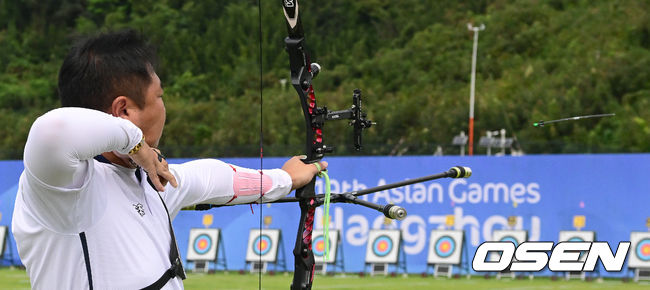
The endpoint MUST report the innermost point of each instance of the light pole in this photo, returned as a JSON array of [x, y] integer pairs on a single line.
[[476, 29]]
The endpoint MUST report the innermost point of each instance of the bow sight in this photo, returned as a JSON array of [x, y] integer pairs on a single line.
[[302, 73], [355, 115]]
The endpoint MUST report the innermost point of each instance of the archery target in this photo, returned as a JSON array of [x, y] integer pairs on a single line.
[[318, 245], [203, 244], [383, 246], [263, 246], [445, 247], [640, 250], [578, 236], [643, 250], [514, 236], [3, 239]]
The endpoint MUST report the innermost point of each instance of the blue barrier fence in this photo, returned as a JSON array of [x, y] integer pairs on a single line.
[[545, 191]]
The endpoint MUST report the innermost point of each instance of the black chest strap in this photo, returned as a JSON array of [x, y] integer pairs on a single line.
[[176, 270]]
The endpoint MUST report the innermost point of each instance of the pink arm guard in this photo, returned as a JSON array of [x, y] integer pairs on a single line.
[[245, 184]]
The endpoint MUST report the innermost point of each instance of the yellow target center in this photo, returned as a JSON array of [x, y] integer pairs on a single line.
[[645, 250]]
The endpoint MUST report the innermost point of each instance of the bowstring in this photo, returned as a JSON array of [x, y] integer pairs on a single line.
[[259, 10]]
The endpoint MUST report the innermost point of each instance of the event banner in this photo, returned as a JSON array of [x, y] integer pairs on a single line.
[[544, 192]]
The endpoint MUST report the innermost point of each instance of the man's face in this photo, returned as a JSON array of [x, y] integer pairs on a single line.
[[151, 118]]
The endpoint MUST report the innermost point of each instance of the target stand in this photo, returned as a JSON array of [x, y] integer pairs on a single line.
[[5, 246], [265, 247], [641, 274], [506, 273], [578, 236], [3, 241], [335, 254], [442, 270], [447, 249], [204, 248], [640, 255], [384, 248]]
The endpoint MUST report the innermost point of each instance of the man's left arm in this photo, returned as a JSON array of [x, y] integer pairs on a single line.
[[216, 182]]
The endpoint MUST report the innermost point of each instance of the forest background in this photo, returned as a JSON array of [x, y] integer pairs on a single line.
[[537, 60]]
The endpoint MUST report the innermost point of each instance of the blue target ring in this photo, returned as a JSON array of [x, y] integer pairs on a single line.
[[202, 244], [382, 246], [318, 246], [262, 245], [510, 239], [643, 250], [578, 239], [445, 246]]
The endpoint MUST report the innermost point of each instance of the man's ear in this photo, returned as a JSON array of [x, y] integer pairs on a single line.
[[121, 107]]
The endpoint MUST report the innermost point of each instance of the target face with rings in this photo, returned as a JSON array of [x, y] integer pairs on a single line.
[[578, 239], [643, 250], [202, 244], [640, 248], [262, 245], [382, 246], [578, 236], [445, 246], [318, 246], [510, 239]]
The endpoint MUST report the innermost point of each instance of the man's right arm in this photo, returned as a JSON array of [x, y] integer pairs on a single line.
[[60, 142]]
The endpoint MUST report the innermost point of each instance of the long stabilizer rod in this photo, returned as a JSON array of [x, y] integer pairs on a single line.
[[389, 210], [454, 172]]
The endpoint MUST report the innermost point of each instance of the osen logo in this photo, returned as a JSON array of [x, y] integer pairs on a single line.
[[565, 256]]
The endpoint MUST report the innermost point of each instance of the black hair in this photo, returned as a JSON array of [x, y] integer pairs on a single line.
[[102, 67]]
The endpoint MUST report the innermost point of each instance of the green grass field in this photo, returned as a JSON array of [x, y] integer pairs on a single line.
[[17, 279]]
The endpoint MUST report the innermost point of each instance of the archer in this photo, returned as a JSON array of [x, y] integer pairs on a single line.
[[96, 198]]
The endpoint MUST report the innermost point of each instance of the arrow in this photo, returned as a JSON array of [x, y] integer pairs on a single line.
[[541, 123]]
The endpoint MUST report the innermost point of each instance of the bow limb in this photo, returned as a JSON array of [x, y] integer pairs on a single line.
[[301, 77]]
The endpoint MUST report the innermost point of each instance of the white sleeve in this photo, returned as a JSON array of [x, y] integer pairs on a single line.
[[61, 141], [216, 182]]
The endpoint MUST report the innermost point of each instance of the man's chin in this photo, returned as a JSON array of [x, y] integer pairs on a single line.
[[120, 155], [119, 158], [153, 143]]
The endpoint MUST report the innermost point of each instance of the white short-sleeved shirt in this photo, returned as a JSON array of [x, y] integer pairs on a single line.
[[80, 222]]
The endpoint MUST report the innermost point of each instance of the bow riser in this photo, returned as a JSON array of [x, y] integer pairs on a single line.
[[301, 77]]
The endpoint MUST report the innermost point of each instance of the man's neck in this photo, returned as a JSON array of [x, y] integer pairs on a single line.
[[113, 158]]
